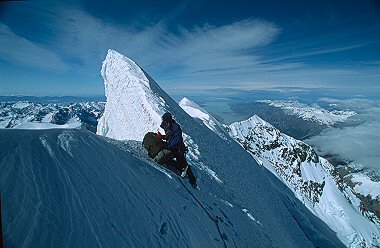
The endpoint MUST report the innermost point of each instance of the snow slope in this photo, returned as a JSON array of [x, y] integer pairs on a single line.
[[71, 188], [134, 106], [365, 186], [311, 178]]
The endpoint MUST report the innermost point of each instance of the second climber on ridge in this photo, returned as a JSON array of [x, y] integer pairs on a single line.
[[174, 141]]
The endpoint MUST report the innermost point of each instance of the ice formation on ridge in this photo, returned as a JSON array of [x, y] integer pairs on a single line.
[[132, 108]]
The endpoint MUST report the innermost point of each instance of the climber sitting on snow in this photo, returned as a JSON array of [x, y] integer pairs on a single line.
[[176, 146]]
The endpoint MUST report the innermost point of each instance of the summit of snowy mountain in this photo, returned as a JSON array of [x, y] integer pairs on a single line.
[[194, 110], [132, 108], [225, 171], [312, 179]]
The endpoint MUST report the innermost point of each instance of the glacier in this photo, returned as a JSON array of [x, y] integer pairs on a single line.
[[72, 188], [310, 176], [315, 114]]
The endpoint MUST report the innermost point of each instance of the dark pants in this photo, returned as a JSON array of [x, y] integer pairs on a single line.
[[179, 155]]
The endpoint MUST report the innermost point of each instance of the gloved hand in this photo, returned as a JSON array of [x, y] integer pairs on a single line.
[[159, 135], [156, 159]]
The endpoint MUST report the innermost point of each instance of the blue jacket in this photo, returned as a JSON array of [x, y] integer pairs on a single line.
[[174, 133]]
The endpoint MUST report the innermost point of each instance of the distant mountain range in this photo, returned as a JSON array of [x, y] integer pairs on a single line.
[[51, 99], [32, 115], [315, 114]]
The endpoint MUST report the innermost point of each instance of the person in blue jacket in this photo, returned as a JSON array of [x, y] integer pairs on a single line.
[[174, 141]]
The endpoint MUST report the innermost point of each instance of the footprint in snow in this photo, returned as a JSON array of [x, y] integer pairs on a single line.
[[164, 228]]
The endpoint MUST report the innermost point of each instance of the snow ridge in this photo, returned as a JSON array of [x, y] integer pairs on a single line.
[[195, 111], [130, 100], [51, 204]]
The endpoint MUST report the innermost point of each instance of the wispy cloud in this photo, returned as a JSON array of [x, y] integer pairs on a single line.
[[20, 51], [203, 49], [319, 51], [206, 56]]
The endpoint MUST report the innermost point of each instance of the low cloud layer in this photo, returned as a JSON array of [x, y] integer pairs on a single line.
[[361, 143]]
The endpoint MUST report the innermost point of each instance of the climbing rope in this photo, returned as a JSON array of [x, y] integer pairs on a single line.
[[216, 219]]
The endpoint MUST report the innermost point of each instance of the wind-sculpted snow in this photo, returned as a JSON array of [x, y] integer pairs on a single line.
[[134, 106], [100, 196], [311, 178]]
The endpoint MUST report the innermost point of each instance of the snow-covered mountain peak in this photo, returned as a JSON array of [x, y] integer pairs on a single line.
[[122, 72], [242, 129], [185, 101], [132, 108], [195, 111], [312, 179], [257, 120]]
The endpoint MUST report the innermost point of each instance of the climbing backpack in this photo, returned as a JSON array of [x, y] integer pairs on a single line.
[[153, 144]]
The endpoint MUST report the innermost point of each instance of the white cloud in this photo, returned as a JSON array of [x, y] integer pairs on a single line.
[[203, 49], [220, 56], [206, 56], [20, 51], [318, 51], [361, 143]]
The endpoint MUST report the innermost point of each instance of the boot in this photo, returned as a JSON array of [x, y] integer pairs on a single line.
[[184, 171], [192, 178]]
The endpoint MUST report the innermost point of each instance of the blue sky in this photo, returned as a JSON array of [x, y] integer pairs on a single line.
[[57, 47]]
